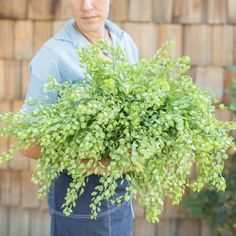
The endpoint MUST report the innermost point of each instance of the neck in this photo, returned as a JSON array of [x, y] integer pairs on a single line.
[[93, 36]]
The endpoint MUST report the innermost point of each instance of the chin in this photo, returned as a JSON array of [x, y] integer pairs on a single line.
[[91, 27]]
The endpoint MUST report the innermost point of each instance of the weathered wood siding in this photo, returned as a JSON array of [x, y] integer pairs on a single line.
[[203, 29]]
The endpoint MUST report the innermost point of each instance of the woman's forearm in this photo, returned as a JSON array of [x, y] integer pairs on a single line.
[[103, 170], [32, 152], [35, 151]]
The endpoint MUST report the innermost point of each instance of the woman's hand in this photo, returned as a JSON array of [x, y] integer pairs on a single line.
[[101, 170], [35, 151], [105, 162], [32, 152]]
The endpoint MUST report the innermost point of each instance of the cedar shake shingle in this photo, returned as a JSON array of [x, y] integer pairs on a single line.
[[231, 11], [14, 9], [29, 191], [162, 11], [23, 40], [7, 39], [119, 11], [198, 44], [142, 227], [42, 32], [12, 80], [19, 222], [189, 11], [10, 188], [222, 45], [167, 32], [216, 11], [212, 77], [41, 10], [140, 10], [145, 36], [166, 227], [188, 227]]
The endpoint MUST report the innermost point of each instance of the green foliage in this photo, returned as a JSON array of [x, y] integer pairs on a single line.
[[232, 90], [151, 108], [218, 209]]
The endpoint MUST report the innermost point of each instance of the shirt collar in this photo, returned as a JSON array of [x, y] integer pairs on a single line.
[[68, 33]]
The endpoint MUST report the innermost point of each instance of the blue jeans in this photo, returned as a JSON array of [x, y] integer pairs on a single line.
[[113, 220]]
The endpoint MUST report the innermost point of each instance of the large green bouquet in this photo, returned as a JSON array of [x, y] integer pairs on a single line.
[[217, 209], [149, 116]]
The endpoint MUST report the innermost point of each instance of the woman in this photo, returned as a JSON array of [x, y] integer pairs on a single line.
[[58, 58]]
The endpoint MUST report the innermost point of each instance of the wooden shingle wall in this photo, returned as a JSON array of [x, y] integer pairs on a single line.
[[203, 29]]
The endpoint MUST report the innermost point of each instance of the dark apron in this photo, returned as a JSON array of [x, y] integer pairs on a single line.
[[113, 220]]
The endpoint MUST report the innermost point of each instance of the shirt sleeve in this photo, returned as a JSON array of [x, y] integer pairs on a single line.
[[42, 65], [131, 49]]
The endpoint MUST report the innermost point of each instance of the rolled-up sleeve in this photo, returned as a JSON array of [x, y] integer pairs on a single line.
[[43, 64]]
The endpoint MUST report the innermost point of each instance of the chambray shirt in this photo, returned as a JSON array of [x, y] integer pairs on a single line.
[[57, 57]]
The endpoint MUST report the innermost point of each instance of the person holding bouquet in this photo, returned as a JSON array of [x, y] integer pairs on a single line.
[[57, 57]]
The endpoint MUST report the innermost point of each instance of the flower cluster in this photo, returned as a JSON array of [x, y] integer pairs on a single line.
[[149, 116]]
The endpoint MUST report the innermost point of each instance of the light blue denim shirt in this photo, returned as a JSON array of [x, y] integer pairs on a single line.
[[58, 58]]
